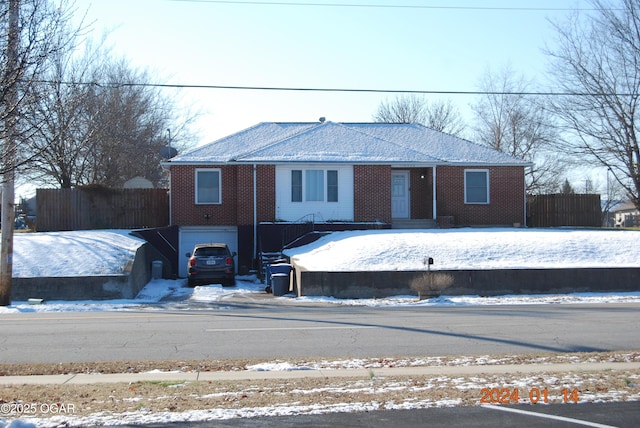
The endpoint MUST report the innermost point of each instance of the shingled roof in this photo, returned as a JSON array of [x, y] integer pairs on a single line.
[[352, 143]]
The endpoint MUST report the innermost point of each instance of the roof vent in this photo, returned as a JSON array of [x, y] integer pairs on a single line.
[[322, 119]]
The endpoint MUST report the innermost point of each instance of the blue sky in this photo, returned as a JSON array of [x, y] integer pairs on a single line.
[[446, 47]]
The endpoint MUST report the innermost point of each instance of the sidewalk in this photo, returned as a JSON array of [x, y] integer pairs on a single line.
[[83, 379]]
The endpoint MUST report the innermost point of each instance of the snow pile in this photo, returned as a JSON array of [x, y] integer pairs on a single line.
[[107, 252], [78, 253], [473, 249]]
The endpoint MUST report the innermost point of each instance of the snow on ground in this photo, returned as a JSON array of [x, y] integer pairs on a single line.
[[461, 249], [373, 393], [174, 294], [77, 253], [83, 253]]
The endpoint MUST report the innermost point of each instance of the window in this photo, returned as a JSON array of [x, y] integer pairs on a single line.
[[208, 189], [332, 186], [296, 186], [476, 186], [315, 185], [311, 184]]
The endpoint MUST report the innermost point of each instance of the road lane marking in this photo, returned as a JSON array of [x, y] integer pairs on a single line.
[[355, 327], [542, 415]]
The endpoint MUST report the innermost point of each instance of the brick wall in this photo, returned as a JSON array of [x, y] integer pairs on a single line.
[[266, 177], [372, 196], [244, 194], [237, 196], [372, 193], [421, 183], [506, 187]]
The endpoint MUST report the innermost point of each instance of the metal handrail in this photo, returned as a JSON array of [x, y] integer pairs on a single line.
[[298, 228]]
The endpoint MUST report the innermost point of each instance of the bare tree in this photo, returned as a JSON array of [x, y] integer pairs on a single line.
[[102, 122], [29, 32], [566, 187], [597, 59], [42, 31], [62, 140], [442, 116], [136, 119], [512, 122]]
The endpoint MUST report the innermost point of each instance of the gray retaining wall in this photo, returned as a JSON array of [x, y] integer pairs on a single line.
[[137, 274], [357, 285]]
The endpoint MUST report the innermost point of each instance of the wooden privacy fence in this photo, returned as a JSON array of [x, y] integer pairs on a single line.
[[101, 208], [564, 210]]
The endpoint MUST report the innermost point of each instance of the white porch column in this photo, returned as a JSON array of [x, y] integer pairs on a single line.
[[435, 199]]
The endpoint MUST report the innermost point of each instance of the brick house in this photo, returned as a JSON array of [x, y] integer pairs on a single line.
[[249, 188]]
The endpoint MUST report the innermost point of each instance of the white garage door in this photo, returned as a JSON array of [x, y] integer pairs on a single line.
[[190, 236]]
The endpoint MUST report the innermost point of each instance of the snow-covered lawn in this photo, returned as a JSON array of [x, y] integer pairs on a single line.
[[76, 253], [461, 249]]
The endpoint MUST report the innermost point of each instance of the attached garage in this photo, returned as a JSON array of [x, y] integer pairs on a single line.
[[190, 236]]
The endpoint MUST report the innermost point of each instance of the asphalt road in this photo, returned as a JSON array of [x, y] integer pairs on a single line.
[[265, 329]]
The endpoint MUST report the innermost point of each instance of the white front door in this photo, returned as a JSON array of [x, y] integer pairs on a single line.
[[400, 194]]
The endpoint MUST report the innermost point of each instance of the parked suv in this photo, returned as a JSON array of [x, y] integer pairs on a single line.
[[211, 264]]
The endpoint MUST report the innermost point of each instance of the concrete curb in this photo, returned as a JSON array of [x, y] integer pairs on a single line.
[[84, 379]]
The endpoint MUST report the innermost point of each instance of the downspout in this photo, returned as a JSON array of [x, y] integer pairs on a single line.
[[168, 169], [524, 185], [255, 214], [435, 199]]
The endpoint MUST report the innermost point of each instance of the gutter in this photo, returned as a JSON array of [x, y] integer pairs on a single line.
[[392, 163]]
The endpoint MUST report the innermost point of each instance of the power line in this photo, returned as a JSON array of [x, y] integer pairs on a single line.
[[353, 90], [385, 6]]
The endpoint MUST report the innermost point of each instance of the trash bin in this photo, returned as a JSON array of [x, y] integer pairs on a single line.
[[280, 284], [156, 269], [277, 268], [273, 268]]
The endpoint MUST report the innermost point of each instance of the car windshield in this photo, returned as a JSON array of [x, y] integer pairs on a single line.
[[210, 252]]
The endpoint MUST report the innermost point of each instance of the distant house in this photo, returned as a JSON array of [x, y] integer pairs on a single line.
[[626, 215], [138, 183], [271, 176]]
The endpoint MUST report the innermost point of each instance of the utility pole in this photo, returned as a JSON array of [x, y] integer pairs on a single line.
[[9, 154]]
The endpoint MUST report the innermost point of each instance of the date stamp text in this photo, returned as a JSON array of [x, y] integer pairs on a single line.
[[532, 395]]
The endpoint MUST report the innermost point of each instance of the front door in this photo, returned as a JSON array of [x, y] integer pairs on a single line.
[[400, 194]]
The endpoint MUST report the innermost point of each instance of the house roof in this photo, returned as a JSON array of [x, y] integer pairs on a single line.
[[354, 143], [628, 206]]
